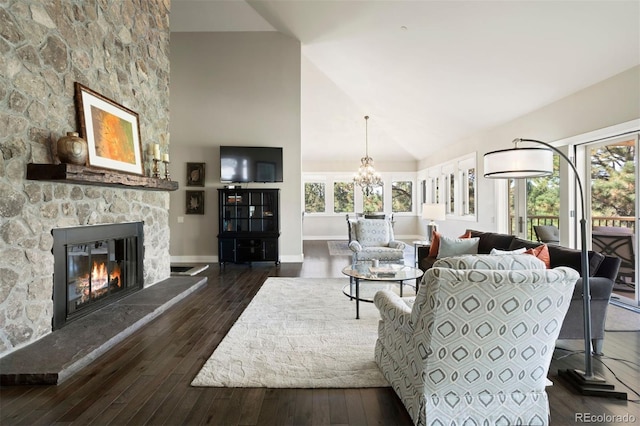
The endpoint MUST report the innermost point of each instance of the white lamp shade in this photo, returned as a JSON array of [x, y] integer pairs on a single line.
[[518, 163], [433, 212]]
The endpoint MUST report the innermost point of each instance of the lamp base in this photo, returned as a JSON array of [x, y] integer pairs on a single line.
[[595, 386], [431, 228]]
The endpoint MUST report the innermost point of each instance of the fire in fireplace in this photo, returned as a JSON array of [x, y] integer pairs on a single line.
[[94, 266]]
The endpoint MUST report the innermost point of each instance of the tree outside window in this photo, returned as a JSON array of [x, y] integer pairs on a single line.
[[468, 182], [613, 180], [314, 197], [401, 201], [343, 197], [543, 195], [451, 189], [374, 203]]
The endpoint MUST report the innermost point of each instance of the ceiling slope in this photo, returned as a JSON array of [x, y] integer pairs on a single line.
[[430, 73]]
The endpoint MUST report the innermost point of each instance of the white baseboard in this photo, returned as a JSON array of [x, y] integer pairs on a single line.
[[293, 258]]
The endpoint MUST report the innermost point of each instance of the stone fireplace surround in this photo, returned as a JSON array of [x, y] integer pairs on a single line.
[[117, 48], [57, 355], [27, 263]]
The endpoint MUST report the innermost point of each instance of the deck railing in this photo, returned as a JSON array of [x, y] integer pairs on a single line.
[[621, 221]]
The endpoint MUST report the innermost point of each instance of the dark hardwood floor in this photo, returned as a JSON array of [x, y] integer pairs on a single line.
[[145, 379]]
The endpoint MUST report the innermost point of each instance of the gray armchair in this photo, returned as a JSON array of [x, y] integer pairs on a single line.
[[476, 344], [373, 239]]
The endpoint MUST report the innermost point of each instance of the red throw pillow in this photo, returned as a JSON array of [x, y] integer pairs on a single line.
[[466, 235], [435, 242], [542, 253]]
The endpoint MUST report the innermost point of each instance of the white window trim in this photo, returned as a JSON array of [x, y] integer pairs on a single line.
[[439, 175], [329, 178]]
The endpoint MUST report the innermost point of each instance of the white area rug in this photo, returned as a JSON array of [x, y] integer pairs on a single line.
[[298, 333]]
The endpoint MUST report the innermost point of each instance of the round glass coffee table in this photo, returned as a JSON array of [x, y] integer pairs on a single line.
[[377, 278]]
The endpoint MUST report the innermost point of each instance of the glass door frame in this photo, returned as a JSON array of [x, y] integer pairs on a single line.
[[518, 205], [583, 154]]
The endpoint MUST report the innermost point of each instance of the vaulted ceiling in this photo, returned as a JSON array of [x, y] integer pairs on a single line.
[[429, 73]]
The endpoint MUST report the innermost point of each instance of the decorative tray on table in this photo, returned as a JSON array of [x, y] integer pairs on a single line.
[[387, 271]]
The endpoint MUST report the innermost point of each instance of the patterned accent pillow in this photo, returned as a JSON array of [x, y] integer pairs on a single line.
[[507, 262], [457, 246], [373, 232]]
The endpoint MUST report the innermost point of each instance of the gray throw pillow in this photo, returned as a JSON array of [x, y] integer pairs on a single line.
[[457, 246]]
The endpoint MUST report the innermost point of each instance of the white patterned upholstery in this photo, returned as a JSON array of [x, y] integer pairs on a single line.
[[477, 344], [374, 239], [489, 261]]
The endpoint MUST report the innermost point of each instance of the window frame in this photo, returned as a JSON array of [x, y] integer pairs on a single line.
[[330, 178], [448, 183]]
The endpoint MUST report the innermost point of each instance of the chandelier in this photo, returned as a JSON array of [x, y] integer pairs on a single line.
[[367, 177]]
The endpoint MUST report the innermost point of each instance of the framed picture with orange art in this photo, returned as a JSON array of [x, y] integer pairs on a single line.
[[111, 130]]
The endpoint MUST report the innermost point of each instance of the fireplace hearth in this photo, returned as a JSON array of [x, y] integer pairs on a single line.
[[93, 267]]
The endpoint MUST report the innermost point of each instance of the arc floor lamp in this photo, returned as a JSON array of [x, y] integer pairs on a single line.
[[528, 162]]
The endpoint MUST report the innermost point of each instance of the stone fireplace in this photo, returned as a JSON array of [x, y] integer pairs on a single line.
[[93, 267], [120, 49]]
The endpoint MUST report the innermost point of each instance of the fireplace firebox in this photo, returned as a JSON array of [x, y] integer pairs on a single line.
[[94, 266]]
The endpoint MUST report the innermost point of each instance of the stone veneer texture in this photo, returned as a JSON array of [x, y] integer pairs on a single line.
[[119, 48]]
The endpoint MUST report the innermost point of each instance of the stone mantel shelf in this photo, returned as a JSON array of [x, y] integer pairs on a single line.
[[71, 173]]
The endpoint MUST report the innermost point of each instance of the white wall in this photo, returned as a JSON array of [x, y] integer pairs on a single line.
[[236, 88], [610, 102]]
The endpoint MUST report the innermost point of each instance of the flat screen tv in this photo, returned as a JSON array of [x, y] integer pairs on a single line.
[[250, 164]]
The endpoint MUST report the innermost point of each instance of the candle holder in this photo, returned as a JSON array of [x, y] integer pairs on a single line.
[[156, 172], [167, 176]]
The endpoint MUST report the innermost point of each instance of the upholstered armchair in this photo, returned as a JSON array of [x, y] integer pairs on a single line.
[[373, 239], [475, 345]]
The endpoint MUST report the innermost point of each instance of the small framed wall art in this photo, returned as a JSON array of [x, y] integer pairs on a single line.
[[195, 202], [112, 132], [195, 174]]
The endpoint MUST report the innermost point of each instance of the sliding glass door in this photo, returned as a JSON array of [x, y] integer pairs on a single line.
[[611, 176], [534, 203], [612, 166]]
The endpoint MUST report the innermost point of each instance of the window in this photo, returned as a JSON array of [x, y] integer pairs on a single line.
[[451, 189], [374, 203], [454, 184], [314, 197], [401, 196], [335, 193], [434, 190], [468, 182], [343, 197]]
